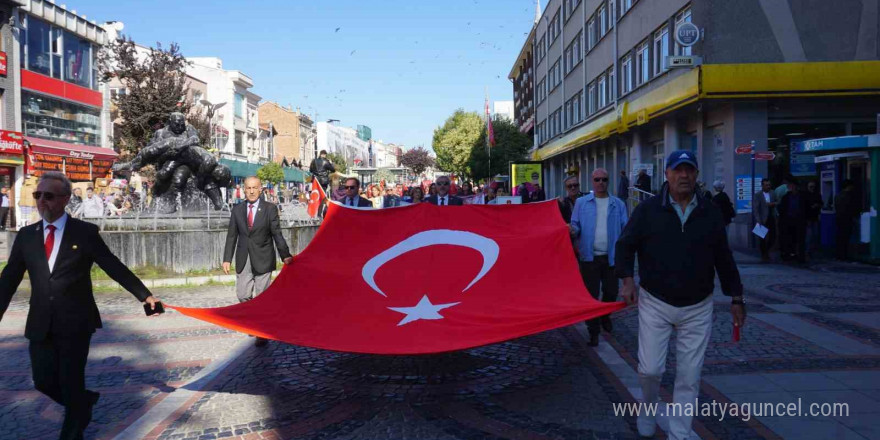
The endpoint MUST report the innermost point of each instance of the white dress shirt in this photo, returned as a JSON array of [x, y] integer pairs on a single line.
[[59, 224], [443, 201]]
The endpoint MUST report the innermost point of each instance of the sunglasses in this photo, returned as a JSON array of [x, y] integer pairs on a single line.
[[573, 186], [45, 195], [600, 179], [442, 183], [350, 187]]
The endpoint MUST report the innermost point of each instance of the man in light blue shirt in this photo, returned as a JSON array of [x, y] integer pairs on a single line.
[[597, 221]]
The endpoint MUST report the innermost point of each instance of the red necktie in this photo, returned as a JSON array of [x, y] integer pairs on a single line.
[[250, 216], [50, 241]]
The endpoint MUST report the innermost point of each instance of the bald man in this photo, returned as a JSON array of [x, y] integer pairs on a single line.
[[253, 227]]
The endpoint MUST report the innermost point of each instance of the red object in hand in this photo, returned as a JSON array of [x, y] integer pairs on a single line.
[[735, 333]]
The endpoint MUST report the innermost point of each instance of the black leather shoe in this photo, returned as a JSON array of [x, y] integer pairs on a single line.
[[261, 342]]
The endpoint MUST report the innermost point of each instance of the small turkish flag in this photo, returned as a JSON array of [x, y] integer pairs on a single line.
[[422, 279], [316, 196]]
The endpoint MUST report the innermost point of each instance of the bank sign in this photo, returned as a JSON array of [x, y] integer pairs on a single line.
[[837, 143]]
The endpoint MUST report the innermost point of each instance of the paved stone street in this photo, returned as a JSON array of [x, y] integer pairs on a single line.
[[813, 334]]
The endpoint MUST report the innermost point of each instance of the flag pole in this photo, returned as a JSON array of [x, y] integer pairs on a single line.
[[488, 140]]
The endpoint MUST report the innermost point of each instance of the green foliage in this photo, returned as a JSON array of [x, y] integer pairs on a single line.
[[156, 87], [338, 162], [510, 146], [417, 159], [271, 173], [454, 141], [384, 174]]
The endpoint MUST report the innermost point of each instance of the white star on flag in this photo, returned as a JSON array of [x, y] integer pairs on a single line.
[[423, 310]]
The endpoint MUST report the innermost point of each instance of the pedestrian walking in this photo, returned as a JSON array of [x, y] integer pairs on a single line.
[[253, 236], [793, 212], [597, 221], [722, 201], [814, 208], [643, 183], [623, 186], [442, 198], [57, 253], [681, 244], [764, 212], [4, 207]]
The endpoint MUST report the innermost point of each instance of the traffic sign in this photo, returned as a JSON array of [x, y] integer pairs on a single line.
[[744, 149], [765, 155]]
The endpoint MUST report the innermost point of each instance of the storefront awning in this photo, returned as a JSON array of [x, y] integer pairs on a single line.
[[294, 175], [58, 148], [837, 144], [245, 169]]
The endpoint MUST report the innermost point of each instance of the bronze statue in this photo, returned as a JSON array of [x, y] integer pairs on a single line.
[[180, 163]]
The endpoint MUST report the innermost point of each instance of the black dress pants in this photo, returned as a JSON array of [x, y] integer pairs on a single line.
[[59, 369], [599, 274]]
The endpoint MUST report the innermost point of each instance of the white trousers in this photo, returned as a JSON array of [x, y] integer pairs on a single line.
[[694, 326]]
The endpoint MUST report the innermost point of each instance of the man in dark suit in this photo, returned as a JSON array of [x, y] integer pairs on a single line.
[[254, 225], [57, 254], [351, 198], [443, 198]]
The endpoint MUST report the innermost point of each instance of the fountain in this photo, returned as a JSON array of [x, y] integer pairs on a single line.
[[185, 227]]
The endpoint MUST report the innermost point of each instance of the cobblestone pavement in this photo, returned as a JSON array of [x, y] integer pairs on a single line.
[[812, 335]]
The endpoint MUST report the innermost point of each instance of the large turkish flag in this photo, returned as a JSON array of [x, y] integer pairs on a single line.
[[422, 279]]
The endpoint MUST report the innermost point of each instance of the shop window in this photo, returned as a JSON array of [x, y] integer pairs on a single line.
[[53, 119], [38, 46], [77, 60]]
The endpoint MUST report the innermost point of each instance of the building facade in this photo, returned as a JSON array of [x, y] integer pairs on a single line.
[[11, 139], [344, 141], [522, 75], [64, 109], [616, 89], [237, 114], [504, 110]]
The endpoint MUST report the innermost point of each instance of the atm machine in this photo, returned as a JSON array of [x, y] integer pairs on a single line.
[[833, 169]]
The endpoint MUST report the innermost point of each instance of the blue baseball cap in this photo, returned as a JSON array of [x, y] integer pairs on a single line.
[[679, 157]]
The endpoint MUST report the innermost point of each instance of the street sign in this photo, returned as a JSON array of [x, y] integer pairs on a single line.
[[744, 149], [683, 61], [765, 155], [687, 34]]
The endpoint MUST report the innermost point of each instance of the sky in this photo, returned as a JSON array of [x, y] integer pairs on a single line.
[[400, 67]]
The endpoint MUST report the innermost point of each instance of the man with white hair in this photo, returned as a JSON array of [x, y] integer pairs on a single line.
[[722, 201]]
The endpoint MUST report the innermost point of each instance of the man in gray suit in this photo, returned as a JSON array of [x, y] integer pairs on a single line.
[[763, 210], [254, 226]]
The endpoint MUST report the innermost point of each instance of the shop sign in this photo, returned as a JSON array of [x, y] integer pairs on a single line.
[[3, 63], [687, 34], [81, 155], [674, 62], [11, 142]]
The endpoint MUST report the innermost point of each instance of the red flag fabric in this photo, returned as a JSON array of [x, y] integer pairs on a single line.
[[421, 279], [316, 196]]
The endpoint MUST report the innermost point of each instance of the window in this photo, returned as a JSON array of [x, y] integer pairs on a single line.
[[573, 112], [643, 58], [573, 53], [681, 18], [611, 84], [541, 49], [47, 118], [625, 5], [77, 57], [239, 105], [555, 74], [661, 49], [626, 74], [591, 33], [591, 98], [570, 6], [38, 46], [603, 20], [239, 145], [197, 97], [612, 12], [541, 91], [57, 41], [117, 92], [555, 27], [602, 92]]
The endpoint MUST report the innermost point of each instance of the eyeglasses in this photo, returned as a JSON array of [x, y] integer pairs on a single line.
[[350, 187], [442, 183], [45, 195], [600, 179], [573, 186]]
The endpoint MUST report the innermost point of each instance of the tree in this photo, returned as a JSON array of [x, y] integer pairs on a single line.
[[155, 85], [384, 174], [198, 118], [417, 159], [454, 141], [338, 162], [271, 173], [510, 146]]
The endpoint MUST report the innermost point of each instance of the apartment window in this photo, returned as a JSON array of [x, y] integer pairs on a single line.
[[591, 98], [591, 33], [239, 142], [681, 18], [643, 57], [570, 5], [612, 12], [625, 5], [239, 105], [555, 27], [577, 107], [626, 74], [611, 84], [555, 74], [603, 20], [542, 91], [601, 91], [573, 53], [661, 49], [117, 92]]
